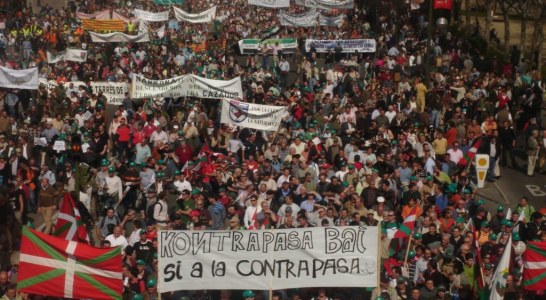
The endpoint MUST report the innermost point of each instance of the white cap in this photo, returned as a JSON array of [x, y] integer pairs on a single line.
[[380, 199]]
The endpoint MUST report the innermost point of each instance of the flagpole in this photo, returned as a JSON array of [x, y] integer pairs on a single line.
[[407, 250]]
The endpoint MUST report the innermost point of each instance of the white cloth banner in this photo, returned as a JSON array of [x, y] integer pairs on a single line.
[[327, 4], [248, 115], [268, 259], [119, 37], [202, 17], [270, 3], [101, 15], [348, 46], [76, 55], [186, 86], [113, 91], [336, 21], [26, 79], [150, 16], [307, 19]]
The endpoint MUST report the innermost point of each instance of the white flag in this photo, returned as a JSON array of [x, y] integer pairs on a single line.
[[26, 79], [498, 281], [263, 117], [202, 17]]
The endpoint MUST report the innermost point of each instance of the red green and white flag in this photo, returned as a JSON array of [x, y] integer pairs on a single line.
[[69, 224], [534, 266], [51, 266], [498, 281], [469, 157], [406, 228]]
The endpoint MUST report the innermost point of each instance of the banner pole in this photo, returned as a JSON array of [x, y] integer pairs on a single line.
[[379, 245]]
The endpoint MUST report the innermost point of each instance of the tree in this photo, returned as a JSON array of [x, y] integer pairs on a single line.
[[506, 6]]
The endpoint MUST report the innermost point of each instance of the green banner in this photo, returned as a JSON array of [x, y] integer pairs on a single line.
[[251, 46], [168, 2]]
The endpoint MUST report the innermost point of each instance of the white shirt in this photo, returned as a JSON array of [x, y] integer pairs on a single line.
[[182, 185], [117, 241], [159, 137], [455, 155]]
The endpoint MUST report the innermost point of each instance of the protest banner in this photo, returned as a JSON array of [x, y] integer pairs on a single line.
[[76, 55], [26, 79], [251, 46], [336, 21], [186, 86], [113, 91], [151, 16], [268, 259], [202, 17], [248, 115], [117, 16], [307, 19], [327, 4], [118, 37], [270, 3], [101, 15], [106, 25], [348, 46], [168, 2]]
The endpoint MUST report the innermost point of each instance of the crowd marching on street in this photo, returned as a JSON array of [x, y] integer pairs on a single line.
[[383, 138]]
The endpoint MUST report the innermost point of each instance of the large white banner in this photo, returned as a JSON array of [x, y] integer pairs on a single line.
[[268, 259], [76, 55], [307, 19], [336, 21], [256, 116], [186, 86], [113, 91], [117, 16], [348, 46], [327, 4], [202, 17], [270, 3], [118, 37], [151, 16], [26, 79]]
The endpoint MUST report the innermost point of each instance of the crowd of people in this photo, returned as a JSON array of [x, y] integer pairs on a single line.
[[367, 137]]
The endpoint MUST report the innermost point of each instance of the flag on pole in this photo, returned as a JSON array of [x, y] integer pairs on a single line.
[[469, 157], [478, 264], [407, 226], [534, 266], [442, 4], [508, 214], [69, 224], [55, 267], [498, 281]]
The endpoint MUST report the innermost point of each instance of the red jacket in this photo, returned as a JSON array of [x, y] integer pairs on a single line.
[[124, 133]]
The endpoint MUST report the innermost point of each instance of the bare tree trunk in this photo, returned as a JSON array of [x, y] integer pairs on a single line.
[[488, 19], [506, 19], [540, 49], [467, 14], [524, 14]]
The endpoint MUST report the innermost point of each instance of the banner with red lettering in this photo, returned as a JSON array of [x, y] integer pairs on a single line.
[[442, 4]]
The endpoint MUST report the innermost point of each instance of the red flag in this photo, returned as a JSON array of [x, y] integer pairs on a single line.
[[409, 223], [51, 266], [534, 266], [442, 4], [69, 224], [478, 259]]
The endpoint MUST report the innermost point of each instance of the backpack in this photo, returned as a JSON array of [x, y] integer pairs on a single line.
[[150, 212]]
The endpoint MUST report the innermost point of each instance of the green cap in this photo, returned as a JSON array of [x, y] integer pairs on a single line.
[[460, 220], [151, 283], [345, 184], [510, 224], [159, 175], [492, 237], [195, 191], [143, 164], [141, 262], [111, 170], [480, 202], [515, 236], [500, 208], [62, 136], [411, 254], [417, 236], [504, 222], [161, 162], [104, 162], [180, 132], [137, 297], [132, 164], [413, 178], [351, 167], [248, 294], [484, 224], [467, 191], [177, 172], [430, 178]]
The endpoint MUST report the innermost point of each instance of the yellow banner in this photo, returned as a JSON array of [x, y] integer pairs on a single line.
[[106, 25]]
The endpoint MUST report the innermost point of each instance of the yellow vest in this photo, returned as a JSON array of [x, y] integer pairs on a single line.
[[130, 27], [26, 32]]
